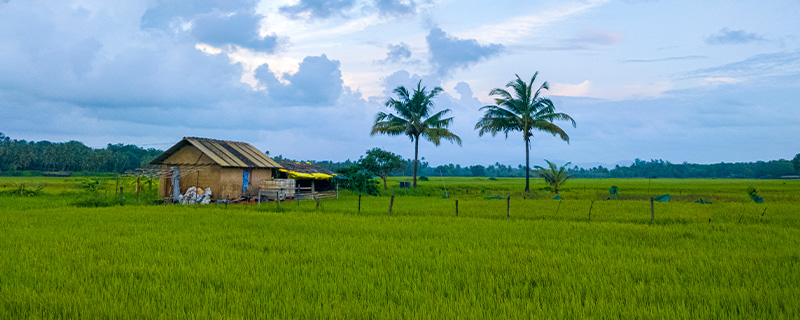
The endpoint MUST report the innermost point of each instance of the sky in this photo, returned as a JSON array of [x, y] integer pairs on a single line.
[[684, 81]]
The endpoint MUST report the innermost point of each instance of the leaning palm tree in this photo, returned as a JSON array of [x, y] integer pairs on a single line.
[[523, 111], [554, 176], [414, 119]]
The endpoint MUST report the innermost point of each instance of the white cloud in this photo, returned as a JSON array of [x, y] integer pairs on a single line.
[[714, 81], [520, 28], [570, 90]]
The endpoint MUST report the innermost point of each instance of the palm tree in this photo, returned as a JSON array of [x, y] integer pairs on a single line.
[[523, 111], [414, 119], [555, 176]]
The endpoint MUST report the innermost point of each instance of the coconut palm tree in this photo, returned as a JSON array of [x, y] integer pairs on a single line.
[[415, 120], [554, 176], [524, 111]]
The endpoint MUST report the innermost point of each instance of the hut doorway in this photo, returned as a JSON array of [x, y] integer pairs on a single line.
[[246, 174]]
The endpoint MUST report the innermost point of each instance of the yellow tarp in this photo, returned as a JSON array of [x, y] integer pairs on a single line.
[[300, 175]]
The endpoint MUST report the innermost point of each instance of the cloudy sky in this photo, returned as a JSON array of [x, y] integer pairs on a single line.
[[697, 81]]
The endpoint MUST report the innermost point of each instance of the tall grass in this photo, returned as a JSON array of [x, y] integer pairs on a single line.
[[137, 261]]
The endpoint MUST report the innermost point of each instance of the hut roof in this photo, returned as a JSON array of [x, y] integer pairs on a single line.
[[304, 167], [225, 153]]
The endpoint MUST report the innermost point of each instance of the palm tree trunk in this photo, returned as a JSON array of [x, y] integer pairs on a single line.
[[527, 165], [416, 154]]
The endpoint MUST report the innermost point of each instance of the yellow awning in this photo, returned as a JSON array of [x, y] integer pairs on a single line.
[[301, 175]]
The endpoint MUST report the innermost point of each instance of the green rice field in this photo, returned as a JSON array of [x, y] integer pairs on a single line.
[[591, 255]]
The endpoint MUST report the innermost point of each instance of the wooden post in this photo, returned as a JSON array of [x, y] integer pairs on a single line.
[[359, 203], [116, 187], [508, 207], [391, 203], [259, 196], [762, 215], [317, 199], [590, 211], [138, 179], [297, 193], [456, 208], [557, 208], [652, 210], [278, 199]]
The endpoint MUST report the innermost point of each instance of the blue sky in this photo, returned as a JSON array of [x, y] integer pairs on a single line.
[[696, 81]]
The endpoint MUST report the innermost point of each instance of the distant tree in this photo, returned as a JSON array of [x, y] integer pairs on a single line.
[[382, 163], [415, 120], [358, 179], [523, 111], [796, 162], [478, 170], [554, 176]]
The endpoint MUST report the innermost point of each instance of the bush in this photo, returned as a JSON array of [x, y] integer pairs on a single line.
[[358, 179], [423, 178], [23, 191]]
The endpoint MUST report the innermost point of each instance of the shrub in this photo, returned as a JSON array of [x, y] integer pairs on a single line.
[[358, 179]]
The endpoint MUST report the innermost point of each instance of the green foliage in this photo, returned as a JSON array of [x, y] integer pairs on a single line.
[[796, 162], [415, 119], [753, 193], [90, 184], [423, 178], [381, 163], [23, 191], [358, 179], [21, 155], [553, 175], [523, 111]]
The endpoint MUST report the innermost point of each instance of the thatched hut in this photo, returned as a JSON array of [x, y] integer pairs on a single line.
[[231, 169]]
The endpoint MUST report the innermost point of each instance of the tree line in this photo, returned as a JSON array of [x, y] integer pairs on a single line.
[[20, 155], [664, 169]]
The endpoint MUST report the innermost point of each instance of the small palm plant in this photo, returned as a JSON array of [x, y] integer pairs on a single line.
[[553, 175]]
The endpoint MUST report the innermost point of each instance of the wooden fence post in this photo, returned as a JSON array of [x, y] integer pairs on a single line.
[[277, 199], [508, 207], [456, 208], [557, 208], [391, 203], [762, 215], [317, 199], [590, 211], [359, 203], [652, 210]]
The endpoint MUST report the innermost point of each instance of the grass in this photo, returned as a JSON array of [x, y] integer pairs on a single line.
[[145, 261]]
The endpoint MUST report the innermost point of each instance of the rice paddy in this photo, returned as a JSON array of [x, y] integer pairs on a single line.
[[592, 255]]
